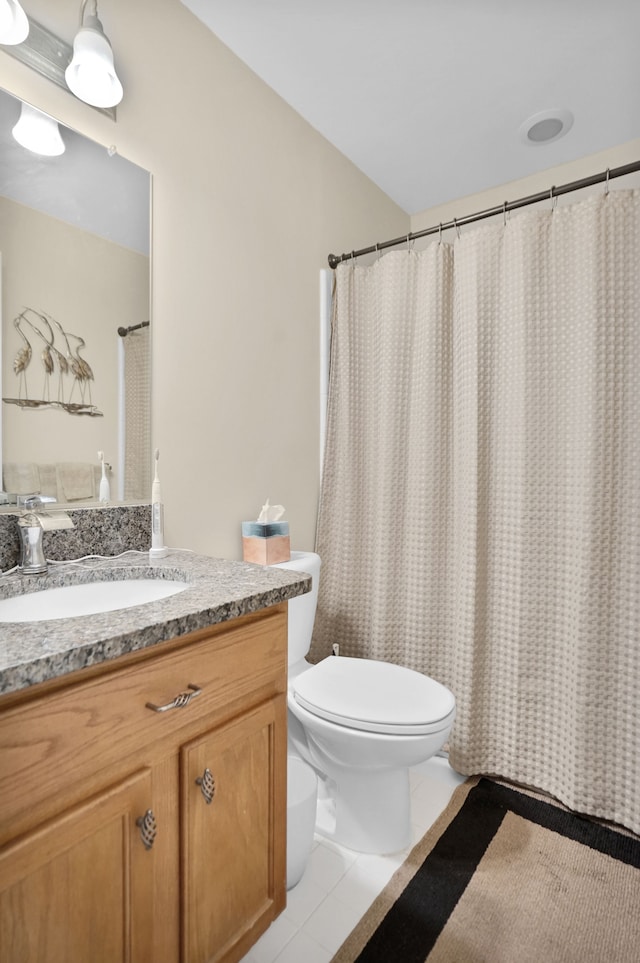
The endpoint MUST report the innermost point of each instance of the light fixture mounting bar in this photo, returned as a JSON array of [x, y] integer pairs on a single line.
[[48, 56]]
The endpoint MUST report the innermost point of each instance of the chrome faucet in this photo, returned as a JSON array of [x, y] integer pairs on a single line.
[[31, 525]]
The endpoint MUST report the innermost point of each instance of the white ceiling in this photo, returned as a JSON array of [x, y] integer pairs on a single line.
[[426, 96]]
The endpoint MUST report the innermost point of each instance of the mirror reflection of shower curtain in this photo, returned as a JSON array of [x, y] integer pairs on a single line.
[[134, 403]]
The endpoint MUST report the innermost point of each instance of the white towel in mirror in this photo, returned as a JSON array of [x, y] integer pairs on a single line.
[[20, 477], [76, 481]]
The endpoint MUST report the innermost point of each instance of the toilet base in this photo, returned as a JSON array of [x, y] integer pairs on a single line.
[[368, 811], [302, 792]]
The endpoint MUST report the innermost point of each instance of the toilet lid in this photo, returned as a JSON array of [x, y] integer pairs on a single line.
[[374, 696]]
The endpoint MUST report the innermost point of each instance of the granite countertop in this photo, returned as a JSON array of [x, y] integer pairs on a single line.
[[218, 590]]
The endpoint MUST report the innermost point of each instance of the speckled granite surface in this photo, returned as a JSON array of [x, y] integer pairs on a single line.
[[218, 590], [106, 530]]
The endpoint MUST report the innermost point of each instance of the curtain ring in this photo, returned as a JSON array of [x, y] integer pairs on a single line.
[[440, 233], [606, 183], [377, 251], [504, 214], [553, 198], [455, 224]]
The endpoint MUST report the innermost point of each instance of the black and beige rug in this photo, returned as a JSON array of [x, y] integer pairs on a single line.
[[507, 877]]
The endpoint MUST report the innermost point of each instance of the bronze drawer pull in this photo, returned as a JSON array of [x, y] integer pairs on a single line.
[[148, 828], [207, 785], [181, 700]]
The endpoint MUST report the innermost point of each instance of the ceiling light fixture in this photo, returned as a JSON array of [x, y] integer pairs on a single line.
[[545, 127], [91, 75], [38, 132], [14, 26]]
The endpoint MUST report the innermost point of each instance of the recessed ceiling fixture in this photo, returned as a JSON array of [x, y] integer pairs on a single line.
[[545, 127], [91, 75], [38, 132], [14, 26]]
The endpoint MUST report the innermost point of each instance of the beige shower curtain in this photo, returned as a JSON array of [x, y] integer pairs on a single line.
[[137, 414], [480, 509]]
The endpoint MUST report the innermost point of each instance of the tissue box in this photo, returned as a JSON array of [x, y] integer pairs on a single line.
[[266, 543]]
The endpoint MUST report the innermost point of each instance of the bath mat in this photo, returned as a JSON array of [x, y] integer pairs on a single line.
[[507, 877]]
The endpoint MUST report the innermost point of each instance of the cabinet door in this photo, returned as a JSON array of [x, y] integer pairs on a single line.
[[75, 889], [234, 833]]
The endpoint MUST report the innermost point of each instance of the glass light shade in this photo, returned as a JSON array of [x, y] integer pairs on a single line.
[[38, 132], [91, 75], [14, 26]]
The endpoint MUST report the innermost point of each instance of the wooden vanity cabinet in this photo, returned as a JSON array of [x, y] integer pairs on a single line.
[[143, 836], [75, 888], [227, 831]]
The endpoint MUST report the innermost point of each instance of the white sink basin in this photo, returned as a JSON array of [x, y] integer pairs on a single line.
[[70, 601]]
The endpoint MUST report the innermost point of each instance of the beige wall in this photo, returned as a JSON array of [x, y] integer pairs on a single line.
[[91, 286], [248, 200], [536, 183]]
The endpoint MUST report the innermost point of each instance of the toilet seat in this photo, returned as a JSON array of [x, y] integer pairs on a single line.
[[374, 696]]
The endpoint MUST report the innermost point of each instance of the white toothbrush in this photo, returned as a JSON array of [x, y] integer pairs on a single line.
[[105, 491], [158, 548]]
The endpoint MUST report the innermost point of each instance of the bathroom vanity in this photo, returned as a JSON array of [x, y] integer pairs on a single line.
[[143, 770]]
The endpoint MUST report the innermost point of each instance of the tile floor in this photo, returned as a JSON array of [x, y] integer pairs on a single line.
[[339, 885]]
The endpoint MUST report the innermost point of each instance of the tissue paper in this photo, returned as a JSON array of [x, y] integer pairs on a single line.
[[271, 513]]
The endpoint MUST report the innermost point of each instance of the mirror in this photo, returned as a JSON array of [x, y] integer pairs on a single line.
[[75, 271]]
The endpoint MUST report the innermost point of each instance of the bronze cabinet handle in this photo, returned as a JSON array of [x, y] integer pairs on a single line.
[[148, 828], [181, 700], [207, 785]]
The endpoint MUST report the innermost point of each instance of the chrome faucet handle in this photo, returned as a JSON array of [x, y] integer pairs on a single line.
[[33, 500], [30, 502]]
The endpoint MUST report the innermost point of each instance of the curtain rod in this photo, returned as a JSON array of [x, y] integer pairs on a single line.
[[335, 259], [123, 332]]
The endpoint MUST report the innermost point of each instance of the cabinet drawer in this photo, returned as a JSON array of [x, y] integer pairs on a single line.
[[51, 744]]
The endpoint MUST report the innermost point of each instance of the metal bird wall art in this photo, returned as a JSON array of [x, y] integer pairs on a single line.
[[22, 359], [61, 357]]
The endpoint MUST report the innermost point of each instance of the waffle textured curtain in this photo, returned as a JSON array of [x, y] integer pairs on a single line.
[[136, 414], [480, 505]]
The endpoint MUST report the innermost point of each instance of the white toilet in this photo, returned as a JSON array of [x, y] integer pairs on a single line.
[[302, 794], [361, 724]]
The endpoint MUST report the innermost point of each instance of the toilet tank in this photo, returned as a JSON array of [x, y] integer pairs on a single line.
[[302, 610]]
